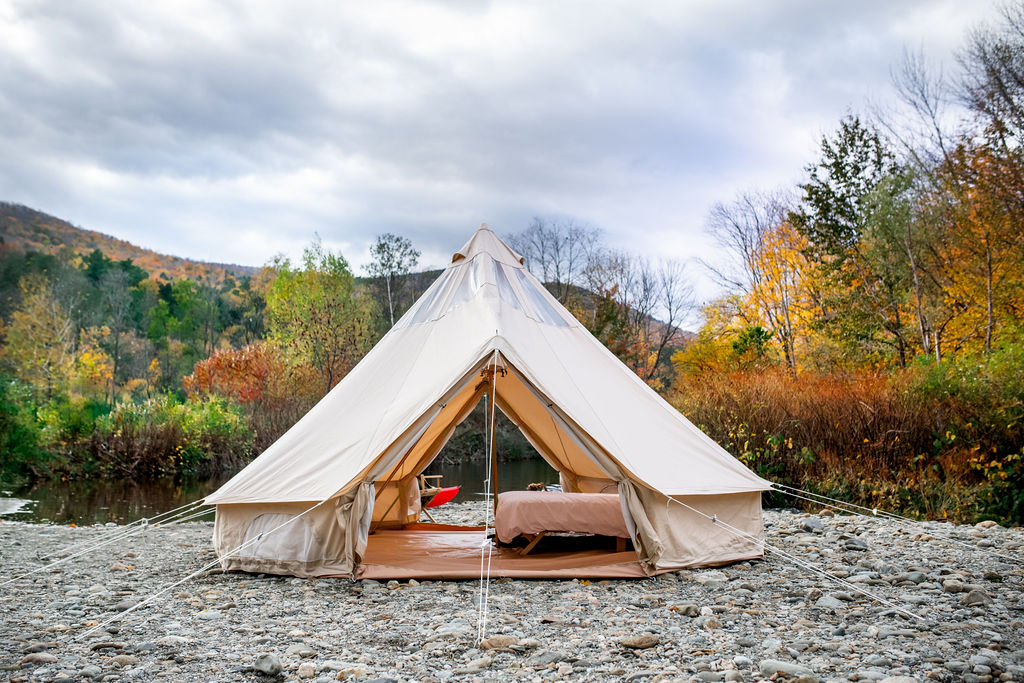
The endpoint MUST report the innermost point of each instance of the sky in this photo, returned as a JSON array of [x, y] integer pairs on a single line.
[[233, 131]]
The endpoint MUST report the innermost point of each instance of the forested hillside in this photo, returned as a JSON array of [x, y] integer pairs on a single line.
[[24, 229]]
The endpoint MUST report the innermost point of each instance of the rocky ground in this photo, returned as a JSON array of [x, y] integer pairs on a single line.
[[746, 622]]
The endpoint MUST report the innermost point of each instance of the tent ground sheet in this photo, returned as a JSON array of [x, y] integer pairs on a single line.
[[447, 553]]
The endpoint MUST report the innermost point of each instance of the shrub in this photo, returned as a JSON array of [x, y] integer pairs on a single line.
[[162, 436], [21, 453], [938, 440]]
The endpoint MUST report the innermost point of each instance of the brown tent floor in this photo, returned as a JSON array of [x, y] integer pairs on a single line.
[[425, 552]]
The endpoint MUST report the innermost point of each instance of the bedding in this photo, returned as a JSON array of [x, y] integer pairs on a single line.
[[532, 512]]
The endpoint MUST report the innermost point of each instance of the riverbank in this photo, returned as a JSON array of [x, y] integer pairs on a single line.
[[741, 622]]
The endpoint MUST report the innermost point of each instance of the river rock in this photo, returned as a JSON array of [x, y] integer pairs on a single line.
[[91, 672], [37, 658], [770, 667], [124, 660], [641, 642], [829, 602], [976, 597], [499, 643], [268, 665], [545, 657], [306, 670], [299, 650]]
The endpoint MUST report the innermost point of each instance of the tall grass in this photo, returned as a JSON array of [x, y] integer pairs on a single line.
[[935, 440]]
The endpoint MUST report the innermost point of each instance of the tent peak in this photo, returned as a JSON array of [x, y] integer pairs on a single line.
[[485, 241]]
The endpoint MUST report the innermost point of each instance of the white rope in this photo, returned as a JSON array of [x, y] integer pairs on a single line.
[[143, 521], [483, 595], [875, 512], [103, 542], [154, 596], [190, 517], [792, 558]]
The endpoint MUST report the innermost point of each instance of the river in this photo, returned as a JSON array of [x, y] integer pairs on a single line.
[[92, 501]]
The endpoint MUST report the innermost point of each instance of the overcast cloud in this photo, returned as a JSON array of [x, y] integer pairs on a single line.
[[231, 131]]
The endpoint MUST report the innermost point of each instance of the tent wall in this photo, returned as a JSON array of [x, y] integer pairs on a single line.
[[328, 540], [587, 484], [397, 502], [671, 536]]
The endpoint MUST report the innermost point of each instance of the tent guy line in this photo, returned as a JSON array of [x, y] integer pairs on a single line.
[[801, 563], [906, 522], [162, 518], [489, 482], [104, 541], [204, 568]]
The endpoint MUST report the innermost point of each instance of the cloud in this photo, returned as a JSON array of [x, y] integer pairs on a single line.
[[234, 130]]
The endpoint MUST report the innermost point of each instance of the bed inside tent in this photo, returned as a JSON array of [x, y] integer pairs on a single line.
[[644, 490]]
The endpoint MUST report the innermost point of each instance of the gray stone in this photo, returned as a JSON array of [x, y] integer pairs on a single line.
[[768, 667], [91, 671], [210, 615], [856, 544], [956, 667], [710, 577], [126, 604], [976, 597], [829, 602], [268, 665], [877, 660], [546, 657], [689, 610], [299, 650], [812, 524], [900, 679]]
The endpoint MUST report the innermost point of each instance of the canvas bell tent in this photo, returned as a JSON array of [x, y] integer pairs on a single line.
[[338, 494]]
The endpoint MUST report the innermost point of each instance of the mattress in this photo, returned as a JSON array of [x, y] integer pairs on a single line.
[[531, 512]]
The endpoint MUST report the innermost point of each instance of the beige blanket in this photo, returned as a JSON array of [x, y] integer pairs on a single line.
[[530, 512]]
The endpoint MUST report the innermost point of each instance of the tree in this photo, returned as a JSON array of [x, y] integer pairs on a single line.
[[391, 259], [765, 262], [40, 337], [558, 253], [316, 311], [844, 214]]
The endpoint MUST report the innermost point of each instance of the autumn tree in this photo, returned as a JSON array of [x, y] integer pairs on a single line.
[[764, 260], [265, 379], [40, 337], [315, 310]]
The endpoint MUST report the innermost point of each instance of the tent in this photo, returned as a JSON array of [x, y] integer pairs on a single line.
[[338, 493]]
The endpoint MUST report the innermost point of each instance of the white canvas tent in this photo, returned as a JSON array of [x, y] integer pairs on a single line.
[[359, 451]]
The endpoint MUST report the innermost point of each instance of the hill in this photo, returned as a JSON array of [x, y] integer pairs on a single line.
[[25, 229]]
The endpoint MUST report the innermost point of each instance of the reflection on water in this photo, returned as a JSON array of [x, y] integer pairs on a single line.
[[92, 501], [512, 476]]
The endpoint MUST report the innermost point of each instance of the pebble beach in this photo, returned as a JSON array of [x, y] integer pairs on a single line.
[[946, 603]]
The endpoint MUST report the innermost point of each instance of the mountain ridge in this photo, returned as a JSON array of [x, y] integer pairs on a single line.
[[23, 228]]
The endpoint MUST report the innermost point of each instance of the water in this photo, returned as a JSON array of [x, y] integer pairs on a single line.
[[92, 501]]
